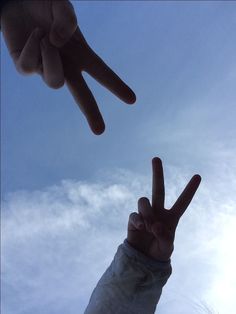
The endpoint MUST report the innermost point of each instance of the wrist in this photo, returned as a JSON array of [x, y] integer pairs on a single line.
[[144, 258], [151, 253]]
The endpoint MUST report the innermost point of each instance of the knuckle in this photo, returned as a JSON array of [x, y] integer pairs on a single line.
[[132, 215]]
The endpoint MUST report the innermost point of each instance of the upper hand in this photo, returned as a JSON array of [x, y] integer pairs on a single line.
[[152, 229], [43, 37]]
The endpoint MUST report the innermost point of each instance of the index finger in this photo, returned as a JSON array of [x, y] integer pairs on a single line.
[[158, 188], [186, 196]]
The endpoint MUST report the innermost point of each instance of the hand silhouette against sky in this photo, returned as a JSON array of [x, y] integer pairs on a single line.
[[152, 229], [43, 37]]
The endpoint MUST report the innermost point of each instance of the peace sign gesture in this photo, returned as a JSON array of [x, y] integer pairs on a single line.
[[43, 37], [152, 229]]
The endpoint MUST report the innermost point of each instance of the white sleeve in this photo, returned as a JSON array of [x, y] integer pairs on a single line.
[[132, 284]]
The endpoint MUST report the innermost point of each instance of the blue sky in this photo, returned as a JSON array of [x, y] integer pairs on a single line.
[[179, 58]]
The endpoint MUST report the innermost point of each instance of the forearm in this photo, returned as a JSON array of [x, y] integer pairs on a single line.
[[132, 284]]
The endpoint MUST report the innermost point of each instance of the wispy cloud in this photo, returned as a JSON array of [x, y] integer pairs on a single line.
[[58, 241]]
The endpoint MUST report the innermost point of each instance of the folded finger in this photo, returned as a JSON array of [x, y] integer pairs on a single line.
[[53, 73], [146, 211], [136, 222], [64, 22], [27, 61], [98, 69], [86, 101]]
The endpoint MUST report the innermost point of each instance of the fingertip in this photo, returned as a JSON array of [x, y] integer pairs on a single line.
[[143, 200], [56, 84], [56, 39], [197, 177], [99, 128], [156, 160], [131, 98]]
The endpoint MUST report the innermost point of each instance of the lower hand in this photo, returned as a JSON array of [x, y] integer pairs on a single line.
[[152, 230]]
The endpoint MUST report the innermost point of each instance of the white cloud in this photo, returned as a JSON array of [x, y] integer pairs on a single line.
[[58, 241]]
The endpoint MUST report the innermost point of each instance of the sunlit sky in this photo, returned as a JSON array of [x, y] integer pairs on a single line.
[[67, 193]]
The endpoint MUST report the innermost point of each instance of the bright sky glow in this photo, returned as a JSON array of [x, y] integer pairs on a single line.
[[67, 194]]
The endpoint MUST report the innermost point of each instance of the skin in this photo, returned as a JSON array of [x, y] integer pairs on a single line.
[[152, 230], [43, 37]]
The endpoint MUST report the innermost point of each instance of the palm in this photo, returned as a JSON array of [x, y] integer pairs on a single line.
[[158, 247], [155, 236]]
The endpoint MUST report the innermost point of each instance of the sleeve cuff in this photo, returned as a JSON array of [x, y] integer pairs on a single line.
[[149, 262]]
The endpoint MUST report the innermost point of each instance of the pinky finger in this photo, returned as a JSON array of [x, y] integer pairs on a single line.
[[136, 222]]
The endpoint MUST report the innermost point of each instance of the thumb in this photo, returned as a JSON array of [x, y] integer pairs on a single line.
[[64, 22]]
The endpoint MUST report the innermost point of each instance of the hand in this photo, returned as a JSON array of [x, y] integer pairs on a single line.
[[43, 37], [32, 31], [152, 229]]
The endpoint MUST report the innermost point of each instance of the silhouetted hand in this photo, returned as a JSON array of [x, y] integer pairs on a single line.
[[152, 229], [43, 37]]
